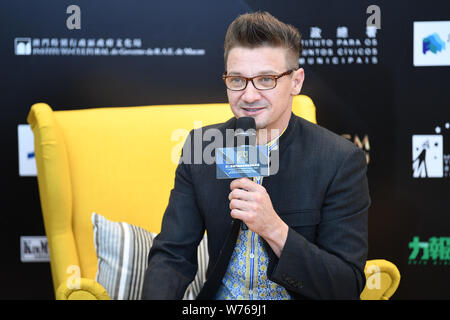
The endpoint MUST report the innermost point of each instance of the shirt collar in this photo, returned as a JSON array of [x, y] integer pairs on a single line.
[[274, 142]]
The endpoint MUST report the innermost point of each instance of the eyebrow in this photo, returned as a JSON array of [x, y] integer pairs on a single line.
[[264, 72]]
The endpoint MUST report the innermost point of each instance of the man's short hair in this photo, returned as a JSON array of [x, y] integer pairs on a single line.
[[252, 30]]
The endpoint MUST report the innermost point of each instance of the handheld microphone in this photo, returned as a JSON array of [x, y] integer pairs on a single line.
[[245, 134]]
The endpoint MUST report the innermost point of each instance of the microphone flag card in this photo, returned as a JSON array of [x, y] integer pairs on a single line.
[[242, 161]]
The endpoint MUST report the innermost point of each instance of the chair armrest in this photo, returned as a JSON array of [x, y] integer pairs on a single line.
[[87, 289], [382, 280]]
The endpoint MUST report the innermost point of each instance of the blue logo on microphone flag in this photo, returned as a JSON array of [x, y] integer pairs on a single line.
[[243, 161]]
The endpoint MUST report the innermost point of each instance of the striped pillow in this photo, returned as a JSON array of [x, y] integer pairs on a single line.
[[122, 251]]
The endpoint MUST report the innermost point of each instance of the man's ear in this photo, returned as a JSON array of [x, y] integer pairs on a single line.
[[297, 81]]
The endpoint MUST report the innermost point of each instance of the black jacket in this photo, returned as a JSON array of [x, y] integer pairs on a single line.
[[320, 191]]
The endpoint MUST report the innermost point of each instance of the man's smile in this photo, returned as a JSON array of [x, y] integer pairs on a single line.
[[252, 110]]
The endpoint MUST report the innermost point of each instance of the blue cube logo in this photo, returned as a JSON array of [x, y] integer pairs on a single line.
[[433, 43]]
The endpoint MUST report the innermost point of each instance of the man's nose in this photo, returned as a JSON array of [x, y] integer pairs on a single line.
[[251, 94]]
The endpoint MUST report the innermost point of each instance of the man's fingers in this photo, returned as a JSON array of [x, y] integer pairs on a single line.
[[238, 204], [243, 183], [239, 194], [237, 214]]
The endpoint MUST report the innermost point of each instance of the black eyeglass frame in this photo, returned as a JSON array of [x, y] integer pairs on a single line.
[[275, 77]]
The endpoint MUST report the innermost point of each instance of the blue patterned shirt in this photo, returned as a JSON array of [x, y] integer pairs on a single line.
[[246, 275]]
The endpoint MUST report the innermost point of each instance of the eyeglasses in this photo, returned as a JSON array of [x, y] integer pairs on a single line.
[[263, 82]]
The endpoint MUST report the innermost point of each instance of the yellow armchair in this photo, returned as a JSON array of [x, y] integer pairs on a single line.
[[120, 162]]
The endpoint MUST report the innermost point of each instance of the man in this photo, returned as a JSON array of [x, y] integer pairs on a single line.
[[307, 224]]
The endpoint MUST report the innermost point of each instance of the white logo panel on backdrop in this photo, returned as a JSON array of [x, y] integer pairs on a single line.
[[27, 161], [427, 156], [34, 249], [431, 43], [430, 159]]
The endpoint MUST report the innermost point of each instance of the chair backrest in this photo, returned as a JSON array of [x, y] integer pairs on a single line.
[[119, 162]]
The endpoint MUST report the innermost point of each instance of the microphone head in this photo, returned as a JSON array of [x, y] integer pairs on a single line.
[[245, 123], [245, 132]]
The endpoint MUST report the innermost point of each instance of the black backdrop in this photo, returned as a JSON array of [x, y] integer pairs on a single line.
[[380, 102]]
